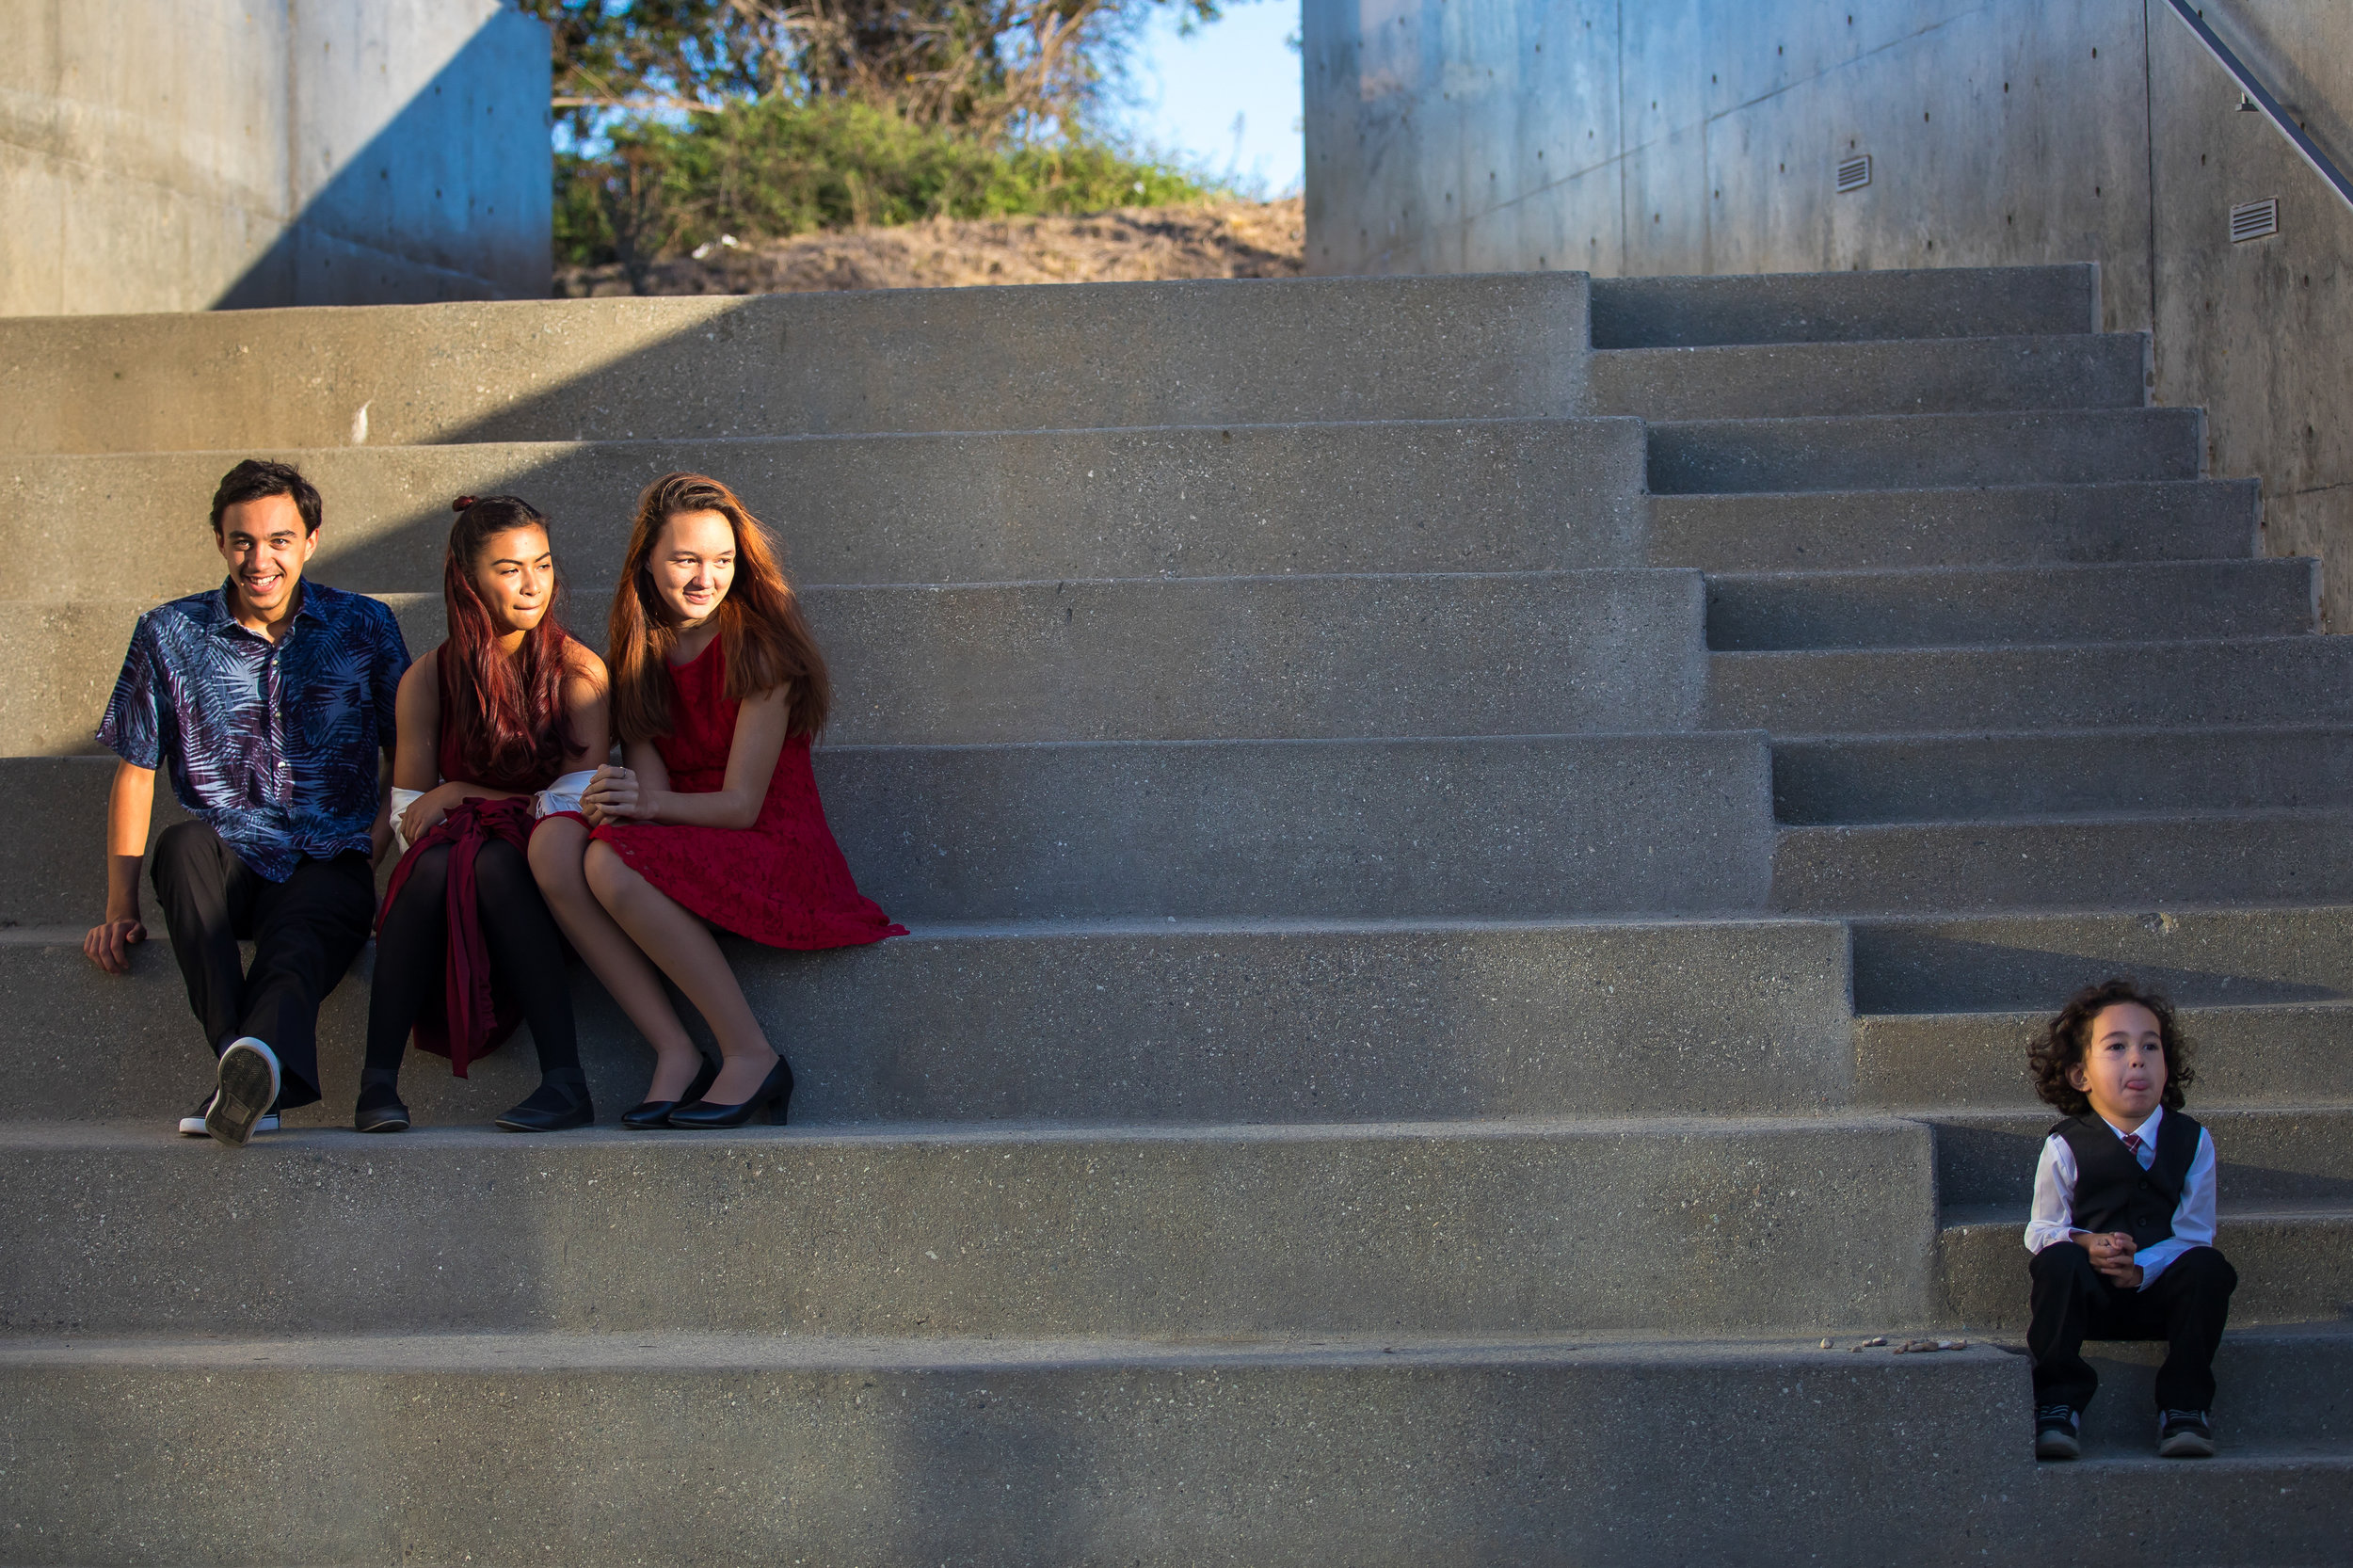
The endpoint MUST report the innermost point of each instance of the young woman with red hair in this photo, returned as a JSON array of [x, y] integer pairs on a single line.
[[465, 948], [717, 689]]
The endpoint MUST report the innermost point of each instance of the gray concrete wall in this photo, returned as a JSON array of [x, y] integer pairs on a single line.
[[227, 154], [1627, 138]]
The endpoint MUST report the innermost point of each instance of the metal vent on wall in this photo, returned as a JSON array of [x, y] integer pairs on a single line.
[[1854, 173], [2254, 220]]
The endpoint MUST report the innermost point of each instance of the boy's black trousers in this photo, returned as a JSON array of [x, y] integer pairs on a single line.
[[305, 932], [2073, 1302]]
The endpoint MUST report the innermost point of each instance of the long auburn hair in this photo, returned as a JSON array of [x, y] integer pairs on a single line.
[[766, 641], [508, 715], [2066, 1040]]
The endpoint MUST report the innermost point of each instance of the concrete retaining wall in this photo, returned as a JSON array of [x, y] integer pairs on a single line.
[[1683, 136], [229, 154]]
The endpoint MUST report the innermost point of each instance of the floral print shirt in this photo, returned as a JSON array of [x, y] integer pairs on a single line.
[[273, 745]]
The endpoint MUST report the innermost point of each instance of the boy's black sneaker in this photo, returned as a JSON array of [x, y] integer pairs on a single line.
[[2055, 1433], [2185, 1434]]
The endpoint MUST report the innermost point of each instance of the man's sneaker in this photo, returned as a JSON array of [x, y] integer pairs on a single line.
[[248, 1087], [2055, 1433], [2185, 1434], [192, 1126]]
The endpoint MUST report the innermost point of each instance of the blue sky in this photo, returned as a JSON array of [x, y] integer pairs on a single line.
[[1190, 91]]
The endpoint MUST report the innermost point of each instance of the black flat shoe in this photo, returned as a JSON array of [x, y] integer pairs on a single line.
[[560, 1103], [774, 1093], [653, 1114], [379, 1109]]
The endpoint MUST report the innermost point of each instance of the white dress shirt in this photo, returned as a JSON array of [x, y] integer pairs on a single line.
[[2054, 1214]]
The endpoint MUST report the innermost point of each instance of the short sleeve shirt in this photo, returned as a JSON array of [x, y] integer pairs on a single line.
[[273, 745]]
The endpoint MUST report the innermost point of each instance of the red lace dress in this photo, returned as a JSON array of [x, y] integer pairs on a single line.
[[782, 880]]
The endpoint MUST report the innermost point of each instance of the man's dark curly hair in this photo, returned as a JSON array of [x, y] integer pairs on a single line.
[[2066, 1039]]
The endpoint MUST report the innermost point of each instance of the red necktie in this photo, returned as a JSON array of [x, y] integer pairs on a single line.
[[2133, 1144]]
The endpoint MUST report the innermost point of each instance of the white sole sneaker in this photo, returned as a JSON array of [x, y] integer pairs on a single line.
[[248, 1087], [193, 1127]]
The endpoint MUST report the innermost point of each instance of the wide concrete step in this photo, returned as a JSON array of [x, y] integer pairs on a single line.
[[1061, 357], [2267, 1054], [1383, 1450], [1960, 606], [1493, 495], [1843, 306], [2288, 1156], [1134, 1022], [1917, 778], [2295, 1263], [1909, 452], [1500, 828], [2153, 859], [2200, 957], [1646, 1225], [1520, 653], [1969, 526], [1390, 1450], [2158, 684], [2076, 370]]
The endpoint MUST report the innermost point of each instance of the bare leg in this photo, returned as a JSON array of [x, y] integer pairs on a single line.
[[689, 954], [556, 849]]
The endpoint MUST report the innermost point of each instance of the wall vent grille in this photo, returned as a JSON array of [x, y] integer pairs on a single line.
[[1853, 173], [2254, 220]]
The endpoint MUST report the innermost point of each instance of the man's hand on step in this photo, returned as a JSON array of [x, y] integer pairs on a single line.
[[108, 944]]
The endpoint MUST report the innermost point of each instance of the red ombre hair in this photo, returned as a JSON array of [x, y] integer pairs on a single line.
[[767, 644], [508, 713]]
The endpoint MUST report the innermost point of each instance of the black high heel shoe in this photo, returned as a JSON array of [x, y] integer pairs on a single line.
[[657, 1113], [774, 1092]]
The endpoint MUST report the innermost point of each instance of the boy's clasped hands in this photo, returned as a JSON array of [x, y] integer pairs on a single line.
[[2112, 1254]]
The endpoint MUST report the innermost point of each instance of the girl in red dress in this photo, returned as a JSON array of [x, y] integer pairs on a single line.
[[717, 688]]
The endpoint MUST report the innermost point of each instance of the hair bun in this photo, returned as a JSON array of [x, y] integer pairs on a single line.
[[462, 503]]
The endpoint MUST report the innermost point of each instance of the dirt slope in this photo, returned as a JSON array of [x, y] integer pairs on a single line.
[[1131, 245]]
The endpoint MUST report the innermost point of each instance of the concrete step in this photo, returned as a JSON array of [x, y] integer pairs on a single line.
[[1909, 452], [1845, 307], [1508, 495], [2076, 370], [1383, 1450], [1143, 1022], [1917, 778], [2170, 684], [2295, 1263], [1500, 828], [2276, 1055], [1962, 606], [2024, 524], [2158, 859], [1062, 357], [1521, 653], [2290, 1156], [1644, 1225], [2032, 962]]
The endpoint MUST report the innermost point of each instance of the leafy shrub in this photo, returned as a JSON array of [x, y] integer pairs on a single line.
[[776, 167]]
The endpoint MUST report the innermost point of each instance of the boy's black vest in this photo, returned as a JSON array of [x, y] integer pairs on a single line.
[[2113, 1193]]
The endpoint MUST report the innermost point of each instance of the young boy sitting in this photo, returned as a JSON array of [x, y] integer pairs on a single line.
[[2122, 1231]]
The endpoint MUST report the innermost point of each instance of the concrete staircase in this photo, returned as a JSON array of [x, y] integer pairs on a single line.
[[1482, 851]]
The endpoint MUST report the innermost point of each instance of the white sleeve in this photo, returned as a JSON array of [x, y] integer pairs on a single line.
[[2193, 1217], [2054, 1214]]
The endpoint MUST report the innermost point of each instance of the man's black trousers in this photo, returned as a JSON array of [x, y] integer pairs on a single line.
[[305, 933], [2073, 1302]]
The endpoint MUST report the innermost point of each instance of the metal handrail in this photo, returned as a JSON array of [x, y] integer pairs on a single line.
[[2264, 99]]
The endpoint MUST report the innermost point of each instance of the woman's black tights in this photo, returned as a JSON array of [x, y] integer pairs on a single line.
[[526, 954]]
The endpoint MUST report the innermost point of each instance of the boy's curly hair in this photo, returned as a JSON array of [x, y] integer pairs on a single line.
[[2066, 1038]]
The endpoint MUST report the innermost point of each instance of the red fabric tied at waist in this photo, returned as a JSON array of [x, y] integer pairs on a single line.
[[472, 1021]]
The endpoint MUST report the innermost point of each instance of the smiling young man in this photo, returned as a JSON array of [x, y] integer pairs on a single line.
[[271, 699], [2123, 1224]]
